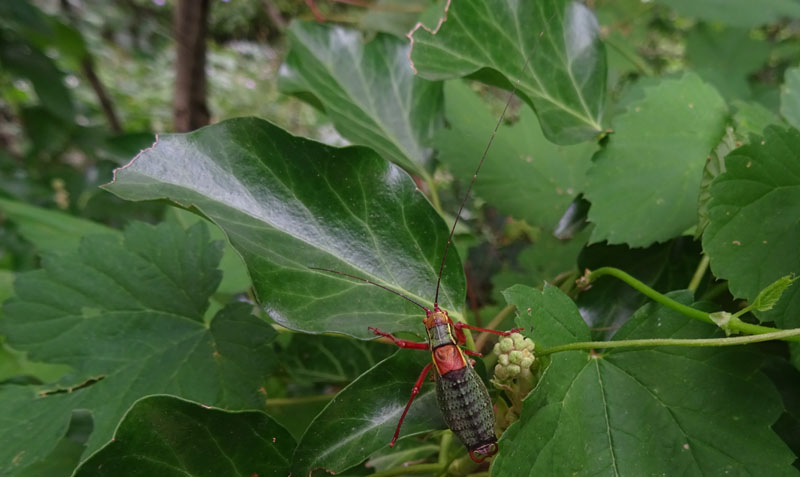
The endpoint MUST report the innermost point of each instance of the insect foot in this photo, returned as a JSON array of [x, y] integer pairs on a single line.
[[514, 372]]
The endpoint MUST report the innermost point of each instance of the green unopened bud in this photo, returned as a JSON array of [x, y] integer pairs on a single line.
[[515, 356], [526, 362], [503, 359], [506, 344], [500, 372], [518, 340], [513, 369]]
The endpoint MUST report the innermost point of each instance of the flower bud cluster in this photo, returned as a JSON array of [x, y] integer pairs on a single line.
[[514, 357]]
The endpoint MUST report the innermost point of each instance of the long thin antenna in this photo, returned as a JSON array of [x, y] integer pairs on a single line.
[[372, 283], [475, 176]]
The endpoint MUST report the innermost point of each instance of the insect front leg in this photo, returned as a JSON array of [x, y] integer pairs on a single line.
[[399, 342], [414, 392], [462, 337]]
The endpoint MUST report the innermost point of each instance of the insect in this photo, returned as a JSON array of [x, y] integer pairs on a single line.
[[462, 396]]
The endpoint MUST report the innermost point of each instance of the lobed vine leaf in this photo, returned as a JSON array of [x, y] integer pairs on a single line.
[[524, 174], [644, 184], [168, 436], [753, 231], [640, 411], [367, 89], [288, 203], [362, 418], [565, 80], [128, 318]]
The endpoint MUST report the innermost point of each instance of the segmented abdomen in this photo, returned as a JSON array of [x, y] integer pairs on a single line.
[[466, 407]]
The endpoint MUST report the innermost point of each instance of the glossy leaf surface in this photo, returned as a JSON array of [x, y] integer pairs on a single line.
[[139, 306], [167, 436], [641, 411], [287, 204], [753, 231], [367, 89], [524, 174], [362, 418], [566, 74], [662, 138]]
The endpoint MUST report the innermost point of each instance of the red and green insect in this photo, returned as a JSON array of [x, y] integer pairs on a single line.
[[463, 398]]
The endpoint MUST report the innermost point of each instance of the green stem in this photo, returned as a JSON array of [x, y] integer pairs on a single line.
[[636, 60], [698, 274], [735, 324], [437, 204], [738, 340], [411, 469], [650, 293], [444, 446]]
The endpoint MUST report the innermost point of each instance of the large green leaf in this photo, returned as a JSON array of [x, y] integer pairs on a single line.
[[368, 90], [362, 418], [790, 97], [742, 13], [524, 174], [644, 184], [640, 411], [330, 359], [167, 436], [128, 318], [565, 80], [753, 234], [287, 204]]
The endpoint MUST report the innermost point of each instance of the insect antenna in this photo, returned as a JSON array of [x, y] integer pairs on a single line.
[[427, 310], [475, 176]]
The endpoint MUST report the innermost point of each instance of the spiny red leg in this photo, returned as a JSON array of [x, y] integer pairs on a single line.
[[472, 353], [460, 325], [401, 343], [414, 392]]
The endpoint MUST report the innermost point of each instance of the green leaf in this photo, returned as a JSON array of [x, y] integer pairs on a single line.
[[753, 232], [234, 272], [769, 296], [542, 261], [406, 452], [167, 436], [715, 165], [643, 185], [609, 303], [25, 60], [524, 174], [128, 318], [565, 80], [741, 13], [362, 418], [725, 58], [67, 453], [50, 230], [790, 97], [287, 204], [330, 359], [752, 118], [368, 90], [641, 411]]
